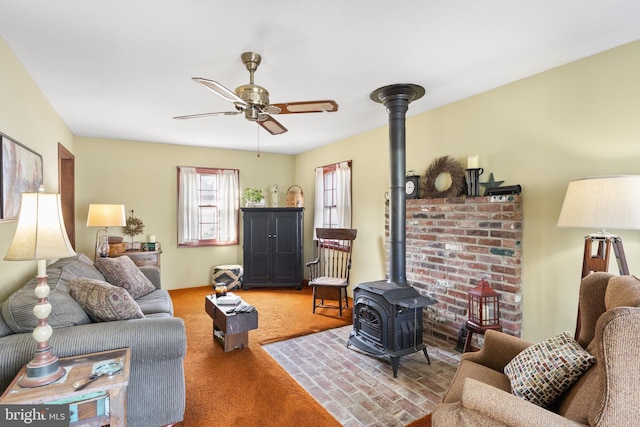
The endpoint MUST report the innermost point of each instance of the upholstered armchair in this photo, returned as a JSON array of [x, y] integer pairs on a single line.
[[607, 394]]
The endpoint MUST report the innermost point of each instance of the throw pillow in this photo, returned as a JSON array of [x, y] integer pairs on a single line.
[[104, 302], [122, 272], [542, 372]]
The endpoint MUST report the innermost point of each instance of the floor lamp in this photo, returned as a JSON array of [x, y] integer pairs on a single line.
[[40, 235], [602, 203]]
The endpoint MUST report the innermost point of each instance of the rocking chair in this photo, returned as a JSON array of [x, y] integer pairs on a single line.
[[329, 272]]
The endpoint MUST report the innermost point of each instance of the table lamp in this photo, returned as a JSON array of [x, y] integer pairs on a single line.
[[40, 235], [105, 216]]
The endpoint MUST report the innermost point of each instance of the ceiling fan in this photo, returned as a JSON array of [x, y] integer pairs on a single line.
[[253, 100]]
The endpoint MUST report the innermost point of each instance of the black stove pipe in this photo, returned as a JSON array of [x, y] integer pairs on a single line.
[[396, 98]]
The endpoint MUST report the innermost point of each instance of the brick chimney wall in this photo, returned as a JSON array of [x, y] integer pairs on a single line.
[[452, 243]]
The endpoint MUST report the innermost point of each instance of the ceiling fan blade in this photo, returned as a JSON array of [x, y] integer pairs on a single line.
[[270, 124], [220, 90], [326, 106], [195, 116]]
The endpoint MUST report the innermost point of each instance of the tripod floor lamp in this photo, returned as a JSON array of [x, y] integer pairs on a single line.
[[602, 203]]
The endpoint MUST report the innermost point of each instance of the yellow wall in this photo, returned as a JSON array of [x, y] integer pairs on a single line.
[[581, 119], [573, 121], [143, 177], [27, 117]]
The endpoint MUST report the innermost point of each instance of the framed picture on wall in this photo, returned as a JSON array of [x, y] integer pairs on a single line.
[[21, 172]]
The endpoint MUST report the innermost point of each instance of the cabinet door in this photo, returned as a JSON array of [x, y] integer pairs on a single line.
[[257, 258], [286, 247]]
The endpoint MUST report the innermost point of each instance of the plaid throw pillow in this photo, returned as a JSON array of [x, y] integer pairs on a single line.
[[542, 372]]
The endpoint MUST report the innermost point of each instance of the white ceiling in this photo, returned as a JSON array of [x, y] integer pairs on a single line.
[[122, 68]]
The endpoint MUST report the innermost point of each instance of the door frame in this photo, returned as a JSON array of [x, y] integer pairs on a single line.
[[67, 190]]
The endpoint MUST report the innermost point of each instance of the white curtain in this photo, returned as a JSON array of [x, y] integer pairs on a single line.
[[343, 195], [318, 207], [228, 202], [188, 222]]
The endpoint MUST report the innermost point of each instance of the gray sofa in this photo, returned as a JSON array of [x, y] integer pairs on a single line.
[[156, 391]]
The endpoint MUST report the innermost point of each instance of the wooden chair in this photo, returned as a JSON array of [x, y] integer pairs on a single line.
[[329, 272]]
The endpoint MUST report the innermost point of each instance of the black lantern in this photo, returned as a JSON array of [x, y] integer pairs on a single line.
[[484, 307]]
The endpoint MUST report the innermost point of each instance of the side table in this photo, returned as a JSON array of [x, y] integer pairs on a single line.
[[230, 330], [101, 402], [472, 328]]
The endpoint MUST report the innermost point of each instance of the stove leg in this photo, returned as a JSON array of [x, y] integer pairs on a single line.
[[395, 361], [426, 354]]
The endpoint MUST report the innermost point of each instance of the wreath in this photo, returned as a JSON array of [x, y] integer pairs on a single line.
[[444, 164]]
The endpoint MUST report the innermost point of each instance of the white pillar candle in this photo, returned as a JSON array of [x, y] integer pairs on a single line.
[[472, 162], [152, 238]]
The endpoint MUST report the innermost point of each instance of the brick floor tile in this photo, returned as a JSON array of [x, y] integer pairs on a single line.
[[359, 390]]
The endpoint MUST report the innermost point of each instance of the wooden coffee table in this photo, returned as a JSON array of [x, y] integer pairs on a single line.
[[231, 330]]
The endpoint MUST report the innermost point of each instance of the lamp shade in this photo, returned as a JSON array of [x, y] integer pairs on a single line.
[[106, 216], [40, 234], [602, 203]]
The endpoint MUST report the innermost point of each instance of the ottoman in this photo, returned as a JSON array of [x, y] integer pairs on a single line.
[[229, 274]]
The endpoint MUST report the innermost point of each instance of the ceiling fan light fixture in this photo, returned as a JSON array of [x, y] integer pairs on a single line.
[[253, 100], [253, 94], [251, 113]]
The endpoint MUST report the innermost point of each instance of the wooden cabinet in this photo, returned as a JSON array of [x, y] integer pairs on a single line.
[[272, 247]]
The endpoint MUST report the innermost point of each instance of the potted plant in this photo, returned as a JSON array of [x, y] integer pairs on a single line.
[[253, 197]]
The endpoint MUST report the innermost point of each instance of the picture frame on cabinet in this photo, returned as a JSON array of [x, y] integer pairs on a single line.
[[22, 171]]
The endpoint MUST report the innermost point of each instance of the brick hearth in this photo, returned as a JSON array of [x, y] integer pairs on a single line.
[[451, 244]]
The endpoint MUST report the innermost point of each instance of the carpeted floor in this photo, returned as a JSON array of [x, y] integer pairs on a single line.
[[247, 387]]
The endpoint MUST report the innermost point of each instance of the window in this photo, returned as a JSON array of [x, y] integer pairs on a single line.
[[330, 210], [333, 196], [208, 206]]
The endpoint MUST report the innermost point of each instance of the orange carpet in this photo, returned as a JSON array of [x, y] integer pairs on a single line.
[[247, 387], [422, 422]]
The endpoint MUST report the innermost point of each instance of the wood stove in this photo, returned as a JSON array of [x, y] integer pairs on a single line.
[[387, 314], [387, 321]]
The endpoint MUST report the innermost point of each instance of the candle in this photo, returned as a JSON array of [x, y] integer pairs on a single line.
[[152, 238], [472, 162]]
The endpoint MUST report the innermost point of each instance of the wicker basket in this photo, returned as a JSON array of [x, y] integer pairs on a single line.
[[295, 197]]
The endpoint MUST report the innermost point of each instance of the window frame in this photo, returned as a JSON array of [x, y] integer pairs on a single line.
[[329, 194], [211, 242], [326, 170]]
